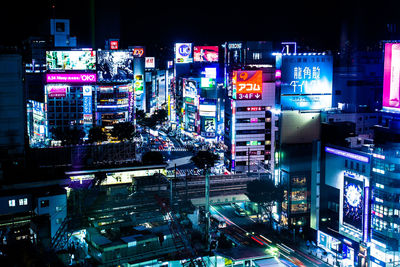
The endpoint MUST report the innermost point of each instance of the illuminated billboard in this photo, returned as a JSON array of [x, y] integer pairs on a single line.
[[306, 82], [209, 125], [207, 110], [87, 104], [391, 77], [205, 53], [150, 63], [247, 85], [189, 88], [114, 66], [138, 51], [70, 60], [56, 91], [183, 53], [353, 199], [114, 45], [71, 77], [138, 84]]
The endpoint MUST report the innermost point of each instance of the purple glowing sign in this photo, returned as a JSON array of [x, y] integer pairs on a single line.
[[346, 154], [71, 78], [56, 91], [366, 213]]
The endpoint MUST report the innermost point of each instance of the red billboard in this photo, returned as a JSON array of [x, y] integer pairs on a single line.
[[205, 53], [391, 76], [247, 85]]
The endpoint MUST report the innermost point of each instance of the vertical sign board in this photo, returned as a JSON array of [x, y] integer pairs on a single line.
[[87, 104], [391, 77], [353, 202]]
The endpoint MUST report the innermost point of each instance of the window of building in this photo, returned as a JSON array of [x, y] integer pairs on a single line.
[[23, 201], [44, 203], [256, 56], [11, 203]]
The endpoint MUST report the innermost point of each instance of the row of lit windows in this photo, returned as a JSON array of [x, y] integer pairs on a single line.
[[381, 211], [382, 225], [21, 202]]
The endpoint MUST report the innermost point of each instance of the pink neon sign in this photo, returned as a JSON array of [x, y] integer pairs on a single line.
[[71, 78], [56, 91], [391, 76]]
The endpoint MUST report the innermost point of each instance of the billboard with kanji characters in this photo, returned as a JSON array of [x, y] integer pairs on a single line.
[[306, 82]]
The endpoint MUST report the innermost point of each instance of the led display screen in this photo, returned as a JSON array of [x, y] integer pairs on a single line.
[[247, 85], [189, 88], [207, 82], [306, 82], [70, 60], [114, 66], [183, 53], [71, 77], [138, 85], [353, 198], [391, 76], [205, 53]]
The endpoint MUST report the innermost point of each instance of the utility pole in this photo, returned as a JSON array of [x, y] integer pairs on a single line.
[[248, 160], [207, 204], [171, 196]]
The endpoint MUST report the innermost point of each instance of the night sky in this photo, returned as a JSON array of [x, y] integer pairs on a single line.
[[318, 24]]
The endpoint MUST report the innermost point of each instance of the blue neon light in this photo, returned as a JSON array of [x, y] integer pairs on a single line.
[[347, 154]]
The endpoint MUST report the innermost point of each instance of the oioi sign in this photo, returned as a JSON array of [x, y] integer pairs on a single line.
[[71, 78]]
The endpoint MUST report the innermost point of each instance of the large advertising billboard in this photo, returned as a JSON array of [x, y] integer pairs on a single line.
[[183, 53], [71, 77], [306, 82], [70, 60], [353, 199], [247, 85], [391, 77], [114, 66], [205, 53]]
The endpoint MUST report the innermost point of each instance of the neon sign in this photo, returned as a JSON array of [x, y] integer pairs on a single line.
[[347, 154], [138, 51]]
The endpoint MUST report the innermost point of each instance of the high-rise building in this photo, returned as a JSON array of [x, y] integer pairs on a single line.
[[250, 120], [12, 106]]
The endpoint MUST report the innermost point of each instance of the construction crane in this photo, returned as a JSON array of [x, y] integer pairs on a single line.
[[181, 241]]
